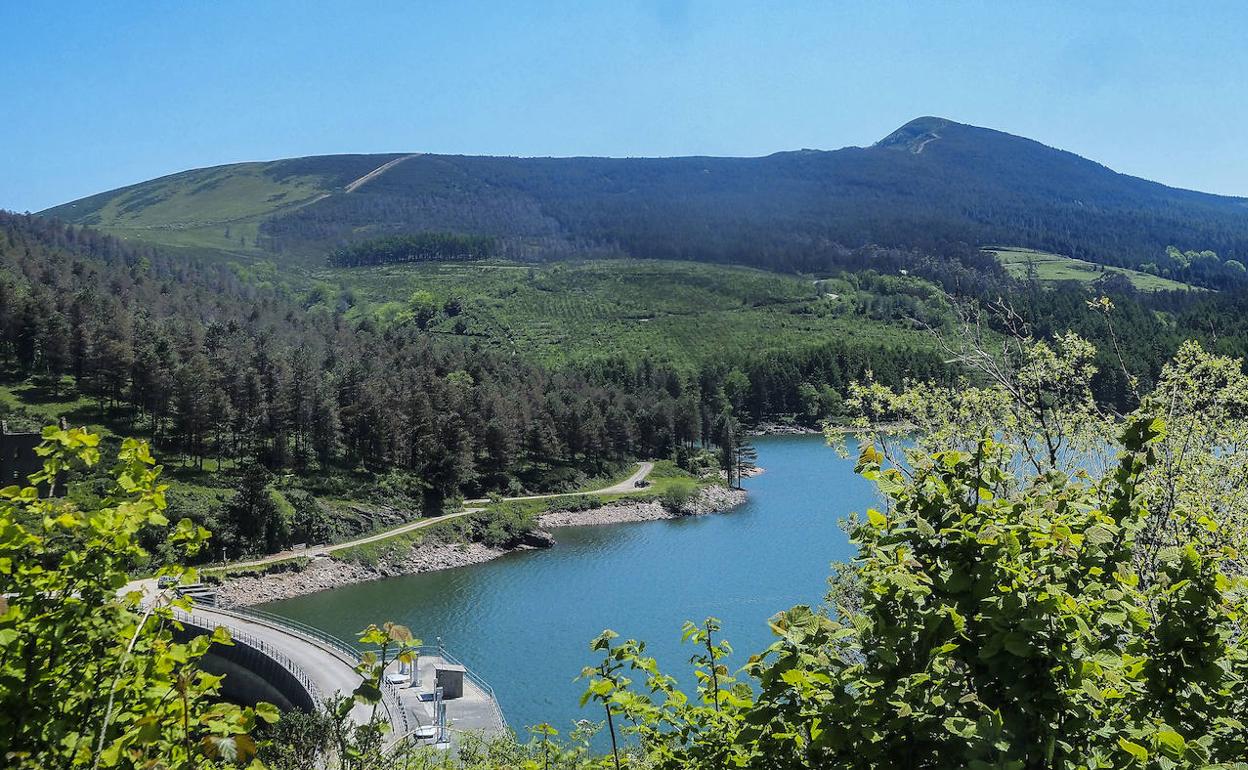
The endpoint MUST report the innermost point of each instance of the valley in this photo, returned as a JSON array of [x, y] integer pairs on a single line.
[[681, 313], [377, 381]]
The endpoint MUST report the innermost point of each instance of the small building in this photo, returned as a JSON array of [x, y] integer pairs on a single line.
[[18, 458], [450, 677]]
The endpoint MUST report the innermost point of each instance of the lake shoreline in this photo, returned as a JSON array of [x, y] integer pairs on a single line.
[[715, 498], [324, 573], [764, 429]]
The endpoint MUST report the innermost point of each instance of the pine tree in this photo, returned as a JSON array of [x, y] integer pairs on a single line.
[[746, 457]]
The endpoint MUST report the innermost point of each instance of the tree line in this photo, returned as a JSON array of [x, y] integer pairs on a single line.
[[413, 247]]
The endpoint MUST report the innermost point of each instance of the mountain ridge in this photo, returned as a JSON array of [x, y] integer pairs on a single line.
[[930, 183]]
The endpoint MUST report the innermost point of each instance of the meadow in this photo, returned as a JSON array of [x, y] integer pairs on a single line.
[[1053, 268]]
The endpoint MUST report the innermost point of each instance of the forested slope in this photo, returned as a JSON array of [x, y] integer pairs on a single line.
[[931, 184], [221, 370]]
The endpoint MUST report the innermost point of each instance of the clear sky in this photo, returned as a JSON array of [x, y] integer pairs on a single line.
[[105, 93]]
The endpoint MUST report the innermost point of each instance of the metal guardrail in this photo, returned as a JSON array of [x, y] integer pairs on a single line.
[[350, 654], [351, 650], [340, 646], [260, 645], [441, 652]]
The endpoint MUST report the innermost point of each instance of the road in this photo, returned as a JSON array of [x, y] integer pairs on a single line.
[[370, 176], [627, 485], [332, 670]]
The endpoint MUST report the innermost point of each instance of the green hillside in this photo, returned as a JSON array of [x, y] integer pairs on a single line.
[[1052, 268], [220, 207], [673, 311], [930, 185]]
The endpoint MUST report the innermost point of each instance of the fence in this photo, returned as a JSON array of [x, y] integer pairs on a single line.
[[348, 652], [440, 651], [260, 645]]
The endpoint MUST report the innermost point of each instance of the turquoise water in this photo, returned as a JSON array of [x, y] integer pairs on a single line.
[[524, 621]]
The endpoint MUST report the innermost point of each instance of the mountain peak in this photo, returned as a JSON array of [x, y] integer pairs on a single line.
[[918, 134]]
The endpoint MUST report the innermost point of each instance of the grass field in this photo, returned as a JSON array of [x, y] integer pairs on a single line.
[[1051, 268], [218, 208], [576, 311]]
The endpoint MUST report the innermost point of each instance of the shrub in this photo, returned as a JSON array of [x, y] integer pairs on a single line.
[[677, 495]]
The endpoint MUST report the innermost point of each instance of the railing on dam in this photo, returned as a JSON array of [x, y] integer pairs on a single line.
[[485, 687], [351, 651], [273, 653], [401, 718], [348, 652]]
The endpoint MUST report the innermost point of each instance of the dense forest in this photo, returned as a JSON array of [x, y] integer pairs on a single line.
[[247, 380], [416, 247], [217, 369]]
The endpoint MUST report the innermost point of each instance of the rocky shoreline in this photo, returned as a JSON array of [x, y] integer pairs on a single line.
[[324, 572], [785, 429], [712, 499], [782, 429]]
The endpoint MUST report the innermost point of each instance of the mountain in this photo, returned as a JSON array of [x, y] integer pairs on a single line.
[[930, 184]]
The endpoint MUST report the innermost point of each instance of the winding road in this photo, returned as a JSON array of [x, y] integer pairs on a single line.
[[627, 485]]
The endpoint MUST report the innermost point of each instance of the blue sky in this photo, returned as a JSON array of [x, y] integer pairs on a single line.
[[102, 94]]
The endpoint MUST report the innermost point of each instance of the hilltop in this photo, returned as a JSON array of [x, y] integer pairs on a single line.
[[930, 184]]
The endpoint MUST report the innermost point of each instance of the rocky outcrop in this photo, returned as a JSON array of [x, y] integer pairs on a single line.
[[611, 513], [713, 498], [782, 429]]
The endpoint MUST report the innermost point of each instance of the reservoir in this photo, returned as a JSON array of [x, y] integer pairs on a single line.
[[524, 621]]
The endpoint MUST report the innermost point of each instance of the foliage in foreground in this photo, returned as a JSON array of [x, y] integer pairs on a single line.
[[88, 678], [1013, 604]]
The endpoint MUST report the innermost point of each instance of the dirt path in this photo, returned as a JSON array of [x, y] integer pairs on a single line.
[[370, 176], [627, 485]]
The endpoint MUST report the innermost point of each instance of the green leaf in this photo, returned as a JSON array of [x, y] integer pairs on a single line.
[[367, 692], [1172, 743], [1016, 644], [268, 712], [1134, 749]]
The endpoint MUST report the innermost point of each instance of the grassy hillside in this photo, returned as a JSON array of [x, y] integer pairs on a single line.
[[676, 311], [220, 207], [931, 184], [1052, 268]]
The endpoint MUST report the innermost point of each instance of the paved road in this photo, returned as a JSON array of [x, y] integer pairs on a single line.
[[627, 485], [322, 550], [331, 670]]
